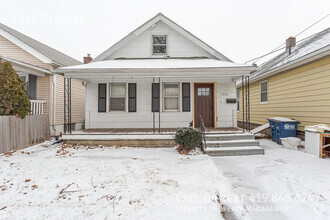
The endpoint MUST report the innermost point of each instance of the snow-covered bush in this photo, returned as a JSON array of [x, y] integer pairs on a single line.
[[188, 139]]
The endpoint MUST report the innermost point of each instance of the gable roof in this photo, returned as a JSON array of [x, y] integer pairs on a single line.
[[38, 49], [169, 22], [313, 46]]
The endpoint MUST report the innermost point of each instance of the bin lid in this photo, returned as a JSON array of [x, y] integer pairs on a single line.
[[320, 128], [281, 119]]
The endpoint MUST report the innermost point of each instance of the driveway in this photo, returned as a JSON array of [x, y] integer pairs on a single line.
[[282, 184]]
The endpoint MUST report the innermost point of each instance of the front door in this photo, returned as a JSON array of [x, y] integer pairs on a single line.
[[204, 104]]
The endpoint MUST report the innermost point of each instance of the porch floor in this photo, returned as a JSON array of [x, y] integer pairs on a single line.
[[135, 137], [149, 130]]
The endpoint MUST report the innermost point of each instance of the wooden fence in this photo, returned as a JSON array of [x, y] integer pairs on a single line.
[[17, 133]]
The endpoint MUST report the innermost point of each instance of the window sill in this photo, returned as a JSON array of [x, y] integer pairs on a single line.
[[264, 103]]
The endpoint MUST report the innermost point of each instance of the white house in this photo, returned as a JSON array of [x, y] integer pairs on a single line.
[[159, 75]]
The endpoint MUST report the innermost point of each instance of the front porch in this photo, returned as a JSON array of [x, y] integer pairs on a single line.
[[216, 142], [134, 137]]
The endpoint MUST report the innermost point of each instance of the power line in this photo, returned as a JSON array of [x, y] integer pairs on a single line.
[[278, 48]]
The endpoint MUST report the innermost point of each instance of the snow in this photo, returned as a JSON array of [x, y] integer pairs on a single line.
[[260, 128], [312, 45], [281, 119], [282, 184], [155, 64], [232, 148], [47, 181], [108, 137]]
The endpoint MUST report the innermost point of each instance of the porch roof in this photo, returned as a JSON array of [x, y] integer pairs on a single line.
[[150, 68], [154, 64]]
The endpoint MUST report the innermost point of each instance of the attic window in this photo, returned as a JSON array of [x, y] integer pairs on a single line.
[[159, 44]]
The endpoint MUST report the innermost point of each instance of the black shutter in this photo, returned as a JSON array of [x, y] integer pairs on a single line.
[[102, 97], [186, 97], [155, 104], [32, 87], [132, 97]]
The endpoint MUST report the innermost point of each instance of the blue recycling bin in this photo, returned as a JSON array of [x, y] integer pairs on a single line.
[[282, 128], [272, 128]]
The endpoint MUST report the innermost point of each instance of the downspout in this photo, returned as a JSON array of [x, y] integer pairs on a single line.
[[54, 102]]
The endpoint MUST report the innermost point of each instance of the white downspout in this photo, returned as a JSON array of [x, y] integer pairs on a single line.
[[54, 102]]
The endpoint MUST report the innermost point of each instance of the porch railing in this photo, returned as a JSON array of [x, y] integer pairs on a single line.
[[201, 121], [37, 107]]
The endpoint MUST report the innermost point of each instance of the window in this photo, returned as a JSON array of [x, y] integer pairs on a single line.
[[171, 96], [203, 91], [264, 92], [237, 98], [117, 96], [159, 44]]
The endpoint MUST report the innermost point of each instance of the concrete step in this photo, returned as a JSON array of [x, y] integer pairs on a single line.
[[234, 151], [226, 137], [232, 143]]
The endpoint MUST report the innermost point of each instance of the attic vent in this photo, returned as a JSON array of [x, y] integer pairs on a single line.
[[290, 42]]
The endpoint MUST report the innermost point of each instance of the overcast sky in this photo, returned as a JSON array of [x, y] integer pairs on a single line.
[[239, 29]]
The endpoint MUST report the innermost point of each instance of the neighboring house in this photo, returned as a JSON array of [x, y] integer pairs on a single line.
[[35, 63], [159, 75], [294, 84]]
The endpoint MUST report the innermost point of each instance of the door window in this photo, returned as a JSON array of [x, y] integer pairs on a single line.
[[203, 91]]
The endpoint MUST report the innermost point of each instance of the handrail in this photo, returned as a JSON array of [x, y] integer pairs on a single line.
[[203, 132]]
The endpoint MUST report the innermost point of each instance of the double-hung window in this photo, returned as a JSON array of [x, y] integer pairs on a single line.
[[264, 92], [117, 97], [159, 44], [171, 96]]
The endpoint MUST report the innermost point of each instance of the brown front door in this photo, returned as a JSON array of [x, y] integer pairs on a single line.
[[204, 104]]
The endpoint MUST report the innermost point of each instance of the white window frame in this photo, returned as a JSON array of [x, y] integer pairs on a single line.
[[26, 76], [238, 95], [163, 96], [152, 44], [264, 102], [125, 97]]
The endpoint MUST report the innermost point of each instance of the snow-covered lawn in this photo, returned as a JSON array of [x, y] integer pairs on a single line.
[[282, 184], [111, 183]]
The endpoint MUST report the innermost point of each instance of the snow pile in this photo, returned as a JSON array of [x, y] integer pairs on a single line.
[[115, 183]]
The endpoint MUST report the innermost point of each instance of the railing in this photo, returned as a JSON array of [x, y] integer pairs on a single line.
[[201, 121], [37, 107]]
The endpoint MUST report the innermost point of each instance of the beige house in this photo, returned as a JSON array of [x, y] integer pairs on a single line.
[[35, 62], [294, 84]]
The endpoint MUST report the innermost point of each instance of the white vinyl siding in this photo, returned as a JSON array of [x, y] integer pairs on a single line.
[[143, 118], [177, 45]]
